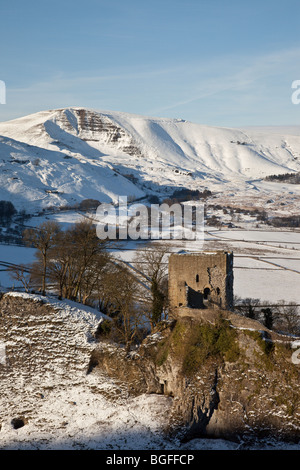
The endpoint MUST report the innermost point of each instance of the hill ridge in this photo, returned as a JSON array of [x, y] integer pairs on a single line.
[[61, 156]]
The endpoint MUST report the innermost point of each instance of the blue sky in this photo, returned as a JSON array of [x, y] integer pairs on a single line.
[[218, 62]]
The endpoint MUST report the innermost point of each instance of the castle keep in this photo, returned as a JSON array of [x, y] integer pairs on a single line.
[[201, 281]]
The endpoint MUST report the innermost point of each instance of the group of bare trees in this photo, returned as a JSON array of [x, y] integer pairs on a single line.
[[139, 295], [75, 264], [283, 317], [67, 261]]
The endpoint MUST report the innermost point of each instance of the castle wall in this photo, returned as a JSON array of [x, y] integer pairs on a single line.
[[201, 280]]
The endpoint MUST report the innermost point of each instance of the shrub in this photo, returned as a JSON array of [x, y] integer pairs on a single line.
[[104, 329], [218, 341], [7, 210], [197, 343], [185, 194], [153, 199], [288, 221], [292, 178], [89, 204]]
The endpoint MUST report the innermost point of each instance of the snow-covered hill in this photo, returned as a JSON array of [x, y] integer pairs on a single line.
[[62, 156]]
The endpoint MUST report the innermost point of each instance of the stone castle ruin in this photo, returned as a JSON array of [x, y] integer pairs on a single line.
[[200, 281]]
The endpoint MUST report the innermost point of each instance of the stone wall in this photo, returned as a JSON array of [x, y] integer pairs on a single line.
[[46, 345], [201, 280]]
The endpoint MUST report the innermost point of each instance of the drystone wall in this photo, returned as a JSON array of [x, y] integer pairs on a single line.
[[44, 346]]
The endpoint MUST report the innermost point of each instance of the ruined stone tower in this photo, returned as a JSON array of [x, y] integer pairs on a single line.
[[201, 281]]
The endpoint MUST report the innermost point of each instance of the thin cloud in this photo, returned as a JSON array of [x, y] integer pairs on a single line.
[[237, 74], [155, 90]]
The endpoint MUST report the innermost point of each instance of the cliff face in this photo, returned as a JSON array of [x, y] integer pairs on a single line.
[[229, 377], [90, 127]]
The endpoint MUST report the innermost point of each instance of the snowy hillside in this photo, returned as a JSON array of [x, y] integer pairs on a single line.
[[63, 156]]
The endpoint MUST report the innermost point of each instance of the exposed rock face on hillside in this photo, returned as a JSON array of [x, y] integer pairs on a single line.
[[229, 377], [93, 127]]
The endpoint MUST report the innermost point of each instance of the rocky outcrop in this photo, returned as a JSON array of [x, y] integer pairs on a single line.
[[90, 126], [229, 377]]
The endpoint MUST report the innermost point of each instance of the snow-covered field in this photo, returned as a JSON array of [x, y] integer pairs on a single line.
[[16, 255], [266, 263]]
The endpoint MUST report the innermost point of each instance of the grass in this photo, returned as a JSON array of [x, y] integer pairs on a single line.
[[267, 348], [196, 343]]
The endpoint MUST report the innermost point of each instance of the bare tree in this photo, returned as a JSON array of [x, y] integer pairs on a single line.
[[151, 263], [77, 261], [86, 246], [287, 318], [93, 277], [59, 267], [248, 307], [43, 238], [121, 289], [21, 274]]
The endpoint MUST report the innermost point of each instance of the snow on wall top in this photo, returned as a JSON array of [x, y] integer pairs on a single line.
[[43, 335]]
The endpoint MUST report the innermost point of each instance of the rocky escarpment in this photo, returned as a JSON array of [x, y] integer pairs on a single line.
[[92, 127], [229, 376]]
